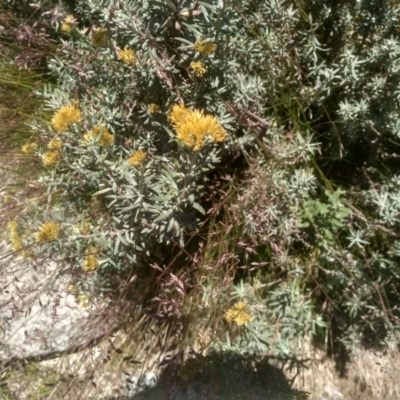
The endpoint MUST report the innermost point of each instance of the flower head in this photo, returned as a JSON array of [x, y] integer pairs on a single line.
[[83, 300], [99, 37], [48, 231], [68, 25], [67, 28], [66, 115], [15, 238], [153, 108], [29, 148], [205, 48], [72, 288], [54, 144], [238, 314], [69, 19], [91, 262], [137, 158], [178, 113], [51, 158], [13, 226], [127, 56], [199, 69], [194, 128], [100, 135]]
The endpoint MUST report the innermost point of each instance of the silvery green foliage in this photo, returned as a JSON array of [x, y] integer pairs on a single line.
[[386, 201], [354, 73], [159, 201], [279, 318], [275, 206], [325, 71], [331, 68], [279, 185], [337, 61]]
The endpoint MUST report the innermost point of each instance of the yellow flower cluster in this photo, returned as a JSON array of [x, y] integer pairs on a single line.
[[100, 135], [68, 25], [137, 158], [127, 56], [16, 240], [65, 116], [51, 158], [48, 231], [83, 300], [72, 288], [199, 69], [205, 48], [14, 236], [91, 262], [99, 37], [238, 314], [29, 148], [54, 144], [194, 128], [153, 108]]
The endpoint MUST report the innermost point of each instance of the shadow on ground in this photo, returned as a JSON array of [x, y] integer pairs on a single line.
[[218, 376]]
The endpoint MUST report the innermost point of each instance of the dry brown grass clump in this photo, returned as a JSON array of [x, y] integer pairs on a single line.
[[369, 375]]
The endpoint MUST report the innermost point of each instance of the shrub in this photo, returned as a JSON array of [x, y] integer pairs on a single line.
[[152, 96]]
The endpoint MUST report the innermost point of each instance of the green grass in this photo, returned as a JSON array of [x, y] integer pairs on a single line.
[[18, 104]]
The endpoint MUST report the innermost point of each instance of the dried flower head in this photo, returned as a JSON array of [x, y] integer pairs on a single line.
[[29, 148], [54, 144], [199, 69], [203, 338], [238, 314], [51, 158], [194, 128], [100, 135], [65, 116], [99, 37], [91, 262], [127, 56], [205, 48], [153, 108], [48, 231], [137, 157], [83, 300]]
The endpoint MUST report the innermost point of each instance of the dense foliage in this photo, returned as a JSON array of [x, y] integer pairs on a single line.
[[273, 124]]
